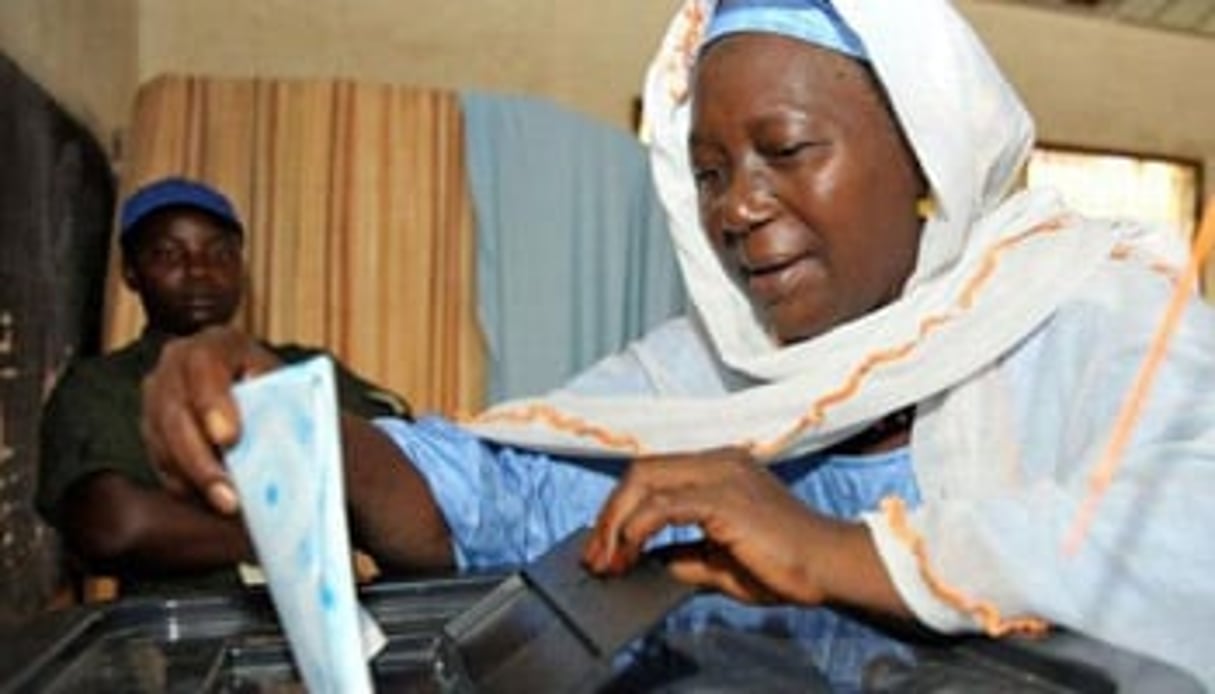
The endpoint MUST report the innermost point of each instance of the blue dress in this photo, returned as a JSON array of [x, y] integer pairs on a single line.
[[506, 506]]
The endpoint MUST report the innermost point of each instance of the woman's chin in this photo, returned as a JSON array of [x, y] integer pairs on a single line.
[[788, 332]]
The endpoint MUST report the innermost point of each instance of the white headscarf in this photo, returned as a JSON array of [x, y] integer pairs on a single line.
[[1001, 469], [990, 268]]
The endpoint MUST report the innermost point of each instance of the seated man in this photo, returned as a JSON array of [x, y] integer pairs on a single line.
[[182, 253]]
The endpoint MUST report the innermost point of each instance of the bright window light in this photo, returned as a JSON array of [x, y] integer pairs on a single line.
[[1101, 184]]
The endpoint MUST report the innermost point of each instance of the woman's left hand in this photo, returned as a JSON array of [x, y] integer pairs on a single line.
[[761, 544]]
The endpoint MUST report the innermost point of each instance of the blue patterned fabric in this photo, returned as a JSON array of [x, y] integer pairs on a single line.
[[506, 506], [812, 21]]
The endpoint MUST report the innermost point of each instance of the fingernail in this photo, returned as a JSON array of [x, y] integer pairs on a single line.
[[603, 557], [219, 429], [590, 551], [619, 564], [222, 497]]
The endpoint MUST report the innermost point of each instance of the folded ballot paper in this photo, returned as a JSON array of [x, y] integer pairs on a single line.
[[288, 474]]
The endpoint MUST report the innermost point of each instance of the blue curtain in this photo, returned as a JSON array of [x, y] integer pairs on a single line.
[[573, 256]]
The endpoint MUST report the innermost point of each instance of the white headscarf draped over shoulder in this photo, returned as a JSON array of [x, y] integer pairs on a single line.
[[991, 268]]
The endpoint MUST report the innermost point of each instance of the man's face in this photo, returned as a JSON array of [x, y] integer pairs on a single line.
[[187, 269], [807, 189]]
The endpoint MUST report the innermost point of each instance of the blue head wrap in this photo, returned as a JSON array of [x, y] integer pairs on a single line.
[[812, 21]]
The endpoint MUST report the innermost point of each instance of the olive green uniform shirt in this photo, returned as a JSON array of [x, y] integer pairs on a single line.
[[91, 424]]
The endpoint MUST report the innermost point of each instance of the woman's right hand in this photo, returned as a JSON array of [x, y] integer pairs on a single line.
[[189, 414]]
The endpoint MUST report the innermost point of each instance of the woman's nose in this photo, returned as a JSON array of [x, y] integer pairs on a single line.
[[749, 203]]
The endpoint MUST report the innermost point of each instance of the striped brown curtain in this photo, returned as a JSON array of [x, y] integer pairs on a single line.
[[360, 224]]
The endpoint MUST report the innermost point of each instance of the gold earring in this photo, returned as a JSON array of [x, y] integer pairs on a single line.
[[926, 207]]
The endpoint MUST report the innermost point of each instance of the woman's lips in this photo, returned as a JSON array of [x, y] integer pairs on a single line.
[[773, 281]]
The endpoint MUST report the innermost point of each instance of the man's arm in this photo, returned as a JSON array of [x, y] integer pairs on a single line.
[[189, 414], [96, 487], [124, 527]]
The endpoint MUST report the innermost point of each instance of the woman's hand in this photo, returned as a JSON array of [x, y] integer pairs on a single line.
[[761, 543], [189, 412]]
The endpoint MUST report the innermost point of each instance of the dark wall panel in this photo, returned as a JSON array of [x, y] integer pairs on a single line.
[[56, 205]]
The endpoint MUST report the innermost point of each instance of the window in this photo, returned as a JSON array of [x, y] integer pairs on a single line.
[[1110, 184]]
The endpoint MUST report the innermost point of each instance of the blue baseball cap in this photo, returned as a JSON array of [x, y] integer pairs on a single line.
[[177, 192]]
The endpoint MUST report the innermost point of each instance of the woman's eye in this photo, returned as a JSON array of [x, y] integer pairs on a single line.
[[787, 151], [705, 177]]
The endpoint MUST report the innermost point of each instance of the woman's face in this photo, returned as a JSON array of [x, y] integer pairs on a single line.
[[807, 188]]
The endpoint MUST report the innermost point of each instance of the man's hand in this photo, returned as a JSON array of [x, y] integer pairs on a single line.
[[189, 413], [761, 543]]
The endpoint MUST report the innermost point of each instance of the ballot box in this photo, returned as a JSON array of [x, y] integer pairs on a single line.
[[221, 643], [233, 643]]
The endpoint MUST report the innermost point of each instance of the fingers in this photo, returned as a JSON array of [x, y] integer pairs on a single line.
[[702, 564], [208, 371], [760, 543], [602, 553], [655, 493], [659, 509], [189, 413]]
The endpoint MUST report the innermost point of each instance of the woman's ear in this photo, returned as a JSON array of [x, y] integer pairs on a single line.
[[926, 206]]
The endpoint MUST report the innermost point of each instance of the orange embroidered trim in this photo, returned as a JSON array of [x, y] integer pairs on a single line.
[[1103, 474], [986, 614], [817, 410], [683, 54], [563, 422], [1124, 251], [853, 383]]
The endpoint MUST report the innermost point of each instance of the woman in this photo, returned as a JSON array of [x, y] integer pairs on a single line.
[[931, 366]]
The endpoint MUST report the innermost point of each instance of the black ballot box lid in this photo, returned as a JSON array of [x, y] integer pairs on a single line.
[[233, 643]]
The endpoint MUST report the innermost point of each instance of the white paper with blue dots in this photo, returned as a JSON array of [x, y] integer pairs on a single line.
[[288, 474]]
